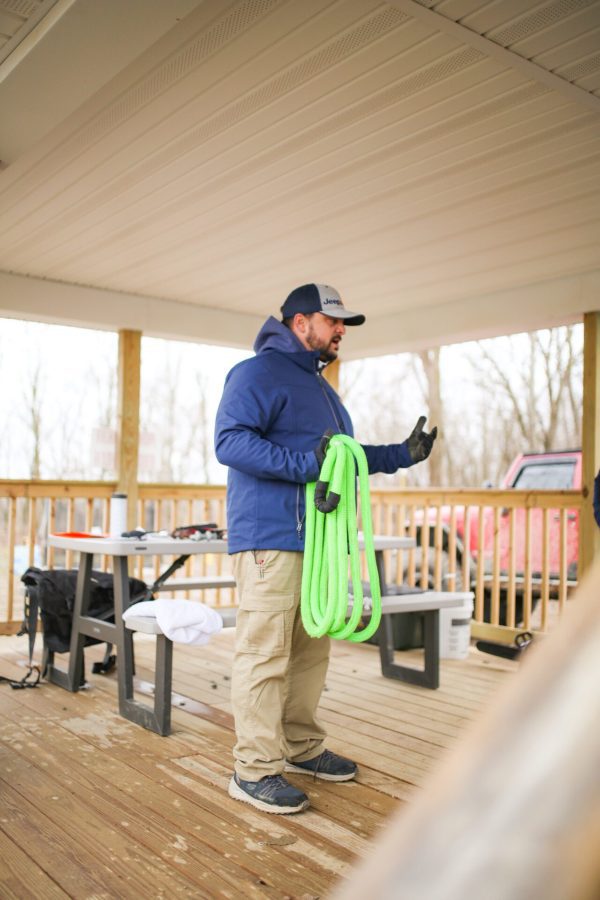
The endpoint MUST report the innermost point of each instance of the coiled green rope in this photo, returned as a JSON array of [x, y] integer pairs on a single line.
[[332, 536]]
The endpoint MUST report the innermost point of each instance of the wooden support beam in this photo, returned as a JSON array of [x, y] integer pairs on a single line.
[[332, 374], [130, 343], [589, 533]]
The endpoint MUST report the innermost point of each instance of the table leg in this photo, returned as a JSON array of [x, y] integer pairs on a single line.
[[123, 639], [429, 676], [72, 679], [159, 718]]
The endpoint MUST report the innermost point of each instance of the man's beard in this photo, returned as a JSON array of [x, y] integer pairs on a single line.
[[326, 354]]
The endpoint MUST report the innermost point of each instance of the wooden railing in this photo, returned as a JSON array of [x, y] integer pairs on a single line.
[[30, 510], [517, 550], [521, 578]]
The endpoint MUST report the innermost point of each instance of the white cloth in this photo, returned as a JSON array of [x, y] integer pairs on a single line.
[[183, 621]]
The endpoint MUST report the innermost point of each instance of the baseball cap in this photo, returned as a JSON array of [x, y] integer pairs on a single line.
[[311, 298]]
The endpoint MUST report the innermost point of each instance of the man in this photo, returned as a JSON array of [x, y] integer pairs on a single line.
[[273, 423]]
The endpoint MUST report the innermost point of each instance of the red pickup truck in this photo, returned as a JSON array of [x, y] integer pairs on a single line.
[[548, 472], [560, 470]]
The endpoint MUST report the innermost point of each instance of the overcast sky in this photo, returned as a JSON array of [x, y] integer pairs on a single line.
[[75, 372]]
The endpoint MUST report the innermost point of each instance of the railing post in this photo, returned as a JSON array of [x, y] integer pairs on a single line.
[[589, 533], [130, 343]]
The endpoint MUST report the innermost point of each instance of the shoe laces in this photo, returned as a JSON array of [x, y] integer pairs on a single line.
[[273, 783], [321, 762]]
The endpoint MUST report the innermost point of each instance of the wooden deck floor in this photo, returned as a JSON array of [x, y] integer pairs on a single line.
[[96, 807]]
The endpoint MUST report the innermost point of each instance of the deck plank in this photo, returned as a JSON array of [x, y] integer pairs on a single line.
[[198, 839], [20, 874], [88, 811], [97, 806]]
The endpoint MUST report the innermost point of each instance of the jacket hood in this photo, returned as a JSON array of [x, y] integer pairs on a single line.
[[274, 335]]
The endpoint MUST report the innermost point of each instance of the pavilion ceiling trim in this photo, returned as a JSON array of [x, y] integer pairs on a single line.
[[60, 303], [489, 46], [537, 305], [548, 304], [36, 17]]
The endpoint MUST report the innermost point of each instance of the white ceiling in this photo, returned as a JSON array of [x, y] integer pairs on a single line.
[[179, 166]]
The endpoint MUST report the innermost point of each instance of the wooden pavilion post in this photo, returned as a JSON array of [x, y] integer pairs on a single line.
[[332, 374], [589, 533], [129, 376]]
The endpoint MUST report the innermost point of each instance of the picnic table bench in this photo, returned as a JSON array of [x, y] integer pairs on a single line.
[[196, 583]]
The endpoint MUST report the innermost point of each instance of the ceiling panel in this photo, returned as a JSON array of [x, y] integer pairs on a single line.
[[416, 155]]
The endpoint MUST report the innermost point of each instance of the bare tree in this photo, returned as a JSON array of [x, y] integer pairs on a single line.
[[184, 426], [533, 388], [523, 393], [102, 379], [165, 404], [571, 407], [32, 414], [196, 433], [380, 395], [350, 378], [427, 368], [67, 452], [203, 427]]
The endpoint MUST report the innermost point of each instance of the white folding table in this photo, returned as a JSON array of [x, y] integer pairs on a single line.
[[84, 625]]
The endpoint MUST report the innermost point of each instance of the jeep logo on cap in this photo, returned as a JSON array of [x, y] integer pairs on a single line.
[[329, 300]]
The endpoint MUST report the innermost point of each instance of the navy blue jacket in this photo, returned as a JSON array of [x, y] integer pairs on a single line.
[[274, 410]]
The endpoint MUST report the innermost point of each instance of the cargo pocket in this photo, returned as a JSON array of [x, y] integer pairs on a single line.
[[264, 624]]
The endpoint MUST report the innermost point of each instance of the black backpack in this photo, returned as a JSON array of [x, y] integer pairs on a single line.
[[52, 592]]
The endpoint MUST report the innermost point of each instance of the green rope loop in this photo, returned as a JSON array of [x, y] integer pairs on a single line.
[[332, 537]]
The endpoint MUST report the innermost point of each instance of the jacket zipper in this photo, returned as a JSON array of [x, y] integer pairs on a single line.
[[299, 521], [338, 424], [340, 428]]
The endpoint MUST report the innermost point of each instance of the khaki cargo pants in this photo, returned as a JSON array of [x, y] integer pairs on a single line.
[[278, 670]]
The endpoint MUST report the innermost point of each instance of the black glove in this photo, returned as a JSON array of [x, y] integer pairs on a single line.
[[321, 448], [419, 442]]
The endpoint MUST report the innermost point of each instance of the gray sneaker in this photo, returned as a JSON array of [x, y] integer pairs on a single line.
[[328, 766], [272, 794]]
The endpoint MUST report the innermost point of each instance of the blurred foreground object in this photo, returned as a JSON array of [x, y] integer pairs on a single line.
[[514, 812]]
